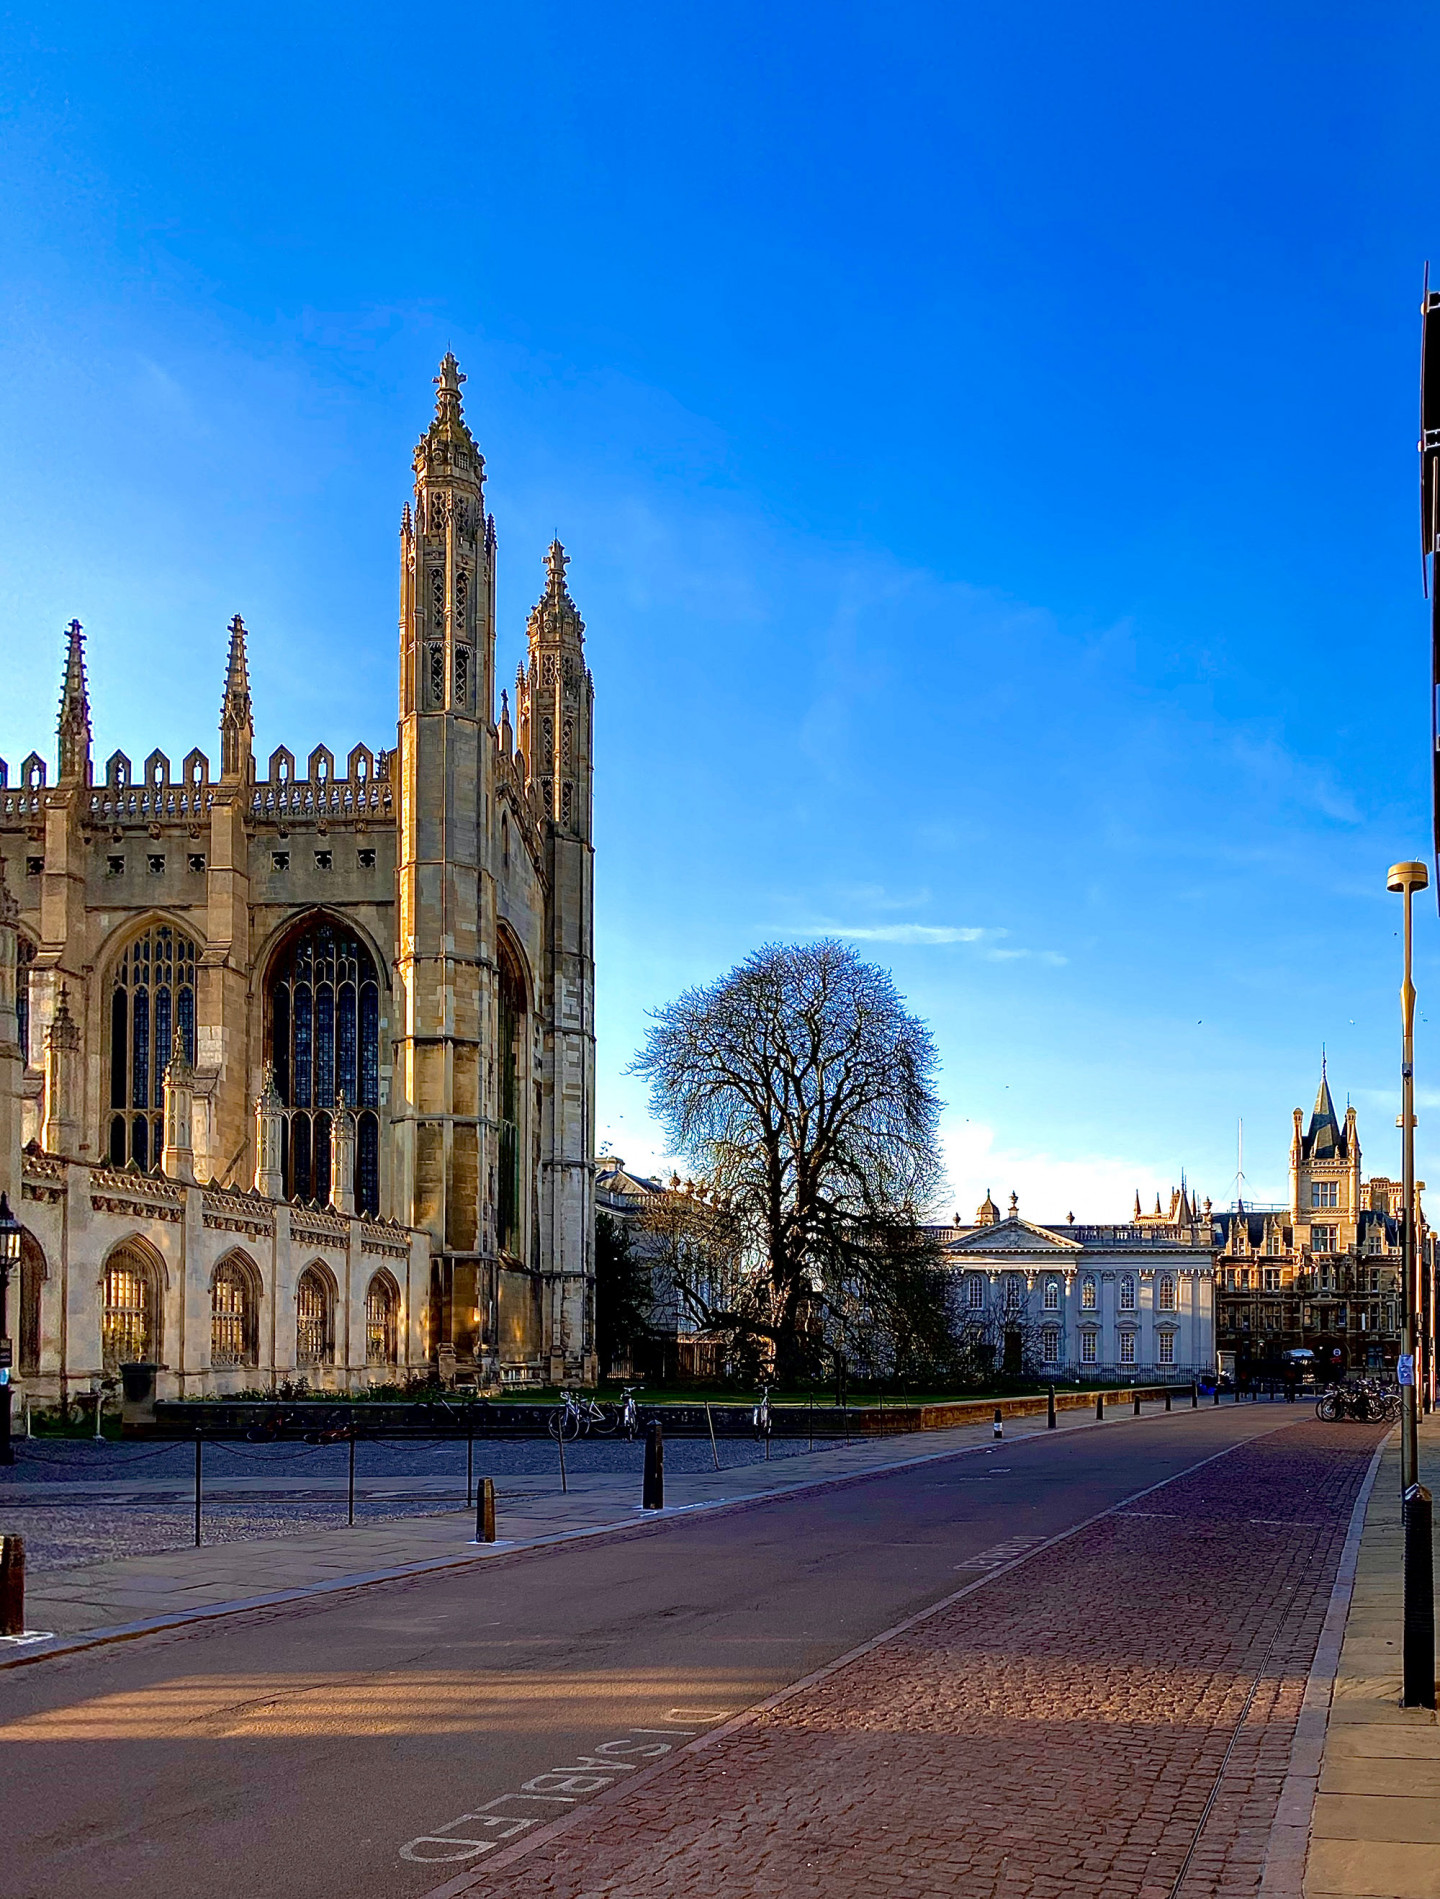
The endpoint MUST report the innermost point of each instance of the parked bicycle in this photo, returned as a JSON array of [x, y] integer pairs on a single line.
[[630, 1412], [1366, 1401], [760, 1416], [577, 1416]]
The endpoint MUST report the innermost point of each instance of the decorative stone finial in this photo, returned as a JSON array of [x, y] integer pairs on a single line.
[[74, 721]]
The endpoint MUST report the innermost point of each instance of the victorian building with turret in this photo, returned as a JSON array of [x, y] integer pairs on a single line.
[[297, 1060]]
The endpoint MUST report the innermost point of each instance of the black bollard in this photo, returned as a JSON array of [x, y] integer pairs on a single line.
[[1194, 1394], [1167, 1397], [1217, 1391], [1419, 1637], [1137, 1404], [199, 1481], [652, 1495], [1099, 1407], [485, 1511], [12, 1585], [1050, 1408], [999, 1423], [350, 1491]]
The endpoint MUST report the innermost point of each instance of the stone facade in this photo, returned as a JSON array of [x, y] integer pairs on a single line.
[[1131, 1301], [354, 999], [1322, 1273]]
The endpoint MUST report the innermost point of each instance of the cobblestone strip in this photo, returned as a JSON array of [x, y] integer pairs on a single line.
[[1056, 1733]]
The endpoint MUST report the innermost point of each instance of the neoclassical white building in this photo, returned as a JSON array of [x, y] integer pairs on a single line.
[[1131, 1301]]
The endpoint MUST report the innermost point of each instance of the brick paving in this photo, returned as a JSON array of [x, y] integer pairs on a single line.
[[1055, 1733]]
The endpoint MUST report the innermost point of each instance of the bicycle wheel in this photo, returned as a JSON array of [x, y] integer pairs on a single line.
[[602, 1423], [1327, 1408]]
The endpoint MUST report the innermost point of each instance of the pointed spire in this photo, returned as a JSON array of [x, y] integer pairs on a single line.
[[1137, 1203], [554, 615], [1323, 1137], [449, 430], [74, 723], [237, 726]]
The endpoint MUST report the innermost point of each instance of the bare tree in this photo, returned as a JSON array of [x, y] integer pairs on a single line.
[[800, 1088]]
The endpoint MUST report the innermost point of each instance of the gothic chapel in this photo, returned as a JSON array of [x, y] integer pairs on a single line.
[[297, 1067]]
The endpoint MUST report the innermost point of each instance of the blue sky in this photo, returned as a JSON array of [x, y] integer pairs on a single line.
[[984, 438]]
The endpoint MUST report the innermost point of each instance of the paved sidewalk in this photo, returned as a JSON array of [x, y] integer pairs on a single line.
[[118, 1594], [1375, 1832], [1111, 1718]]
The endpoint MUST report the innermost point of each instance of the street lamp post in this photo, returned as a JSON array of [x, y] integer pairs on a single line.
[[1407, 879], [9, 1257]]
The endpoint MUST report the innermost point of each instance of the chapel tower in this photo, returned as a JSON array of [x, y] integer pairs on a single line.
[[555, 700], [443, 957]]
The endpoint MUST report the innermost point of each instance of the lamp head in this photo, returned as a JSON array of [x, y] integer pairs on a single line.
[[1407, 877]]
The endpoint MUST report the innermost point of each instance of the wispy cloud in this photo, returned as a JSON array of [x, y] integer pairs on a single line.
[[911, 932]]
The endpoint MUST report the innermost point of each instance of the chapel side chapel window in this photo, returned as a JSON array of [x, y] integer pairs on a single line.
[[152, 994], [324, 1043]]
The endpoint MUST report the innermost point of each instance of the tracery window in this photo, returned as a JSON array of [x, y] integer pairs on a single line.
[[325, 1042], [508, 1223], [1167, 1293], [381, 1305], [152, 993], [1014, 1292], [312, 1319], [128, 1309], [24, 957], [1087, 1293], [1127, 1293], [232, 1316]]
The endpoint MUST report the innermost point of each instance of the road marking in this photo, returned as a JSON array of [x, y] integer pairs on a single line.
[[563, 1786], [1002, 1553]]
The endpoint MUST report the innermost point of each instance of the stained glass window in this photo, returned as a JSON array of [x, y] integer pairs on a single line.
[[232, 1316], [152, 993], [127, 1317], [325, 1042], [312, 1320], [380, 1312]]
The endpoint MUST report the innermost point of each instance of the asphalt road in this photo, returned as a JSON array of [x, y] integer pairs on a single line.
[[301, 1751]]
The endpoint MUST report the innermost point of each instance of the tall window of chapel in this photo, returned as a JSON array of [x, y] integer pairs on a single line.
[[152, 994], [512, 1026], [324, 1034], [24, 958]]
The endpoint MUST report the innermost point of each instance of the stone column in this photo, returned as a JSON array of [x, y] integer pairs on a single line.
[[177, 1158], [60, 1133]]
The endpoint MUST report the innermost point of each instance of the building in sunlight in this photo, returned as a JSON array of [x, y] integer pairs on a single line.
[[297, 1059], [1130, 1301], [1320, 1274]]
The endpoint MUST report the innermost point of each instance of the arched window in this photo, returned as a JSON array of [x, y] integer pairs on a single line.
[[1127, 1293], [24, 957], [1052, 1295], [313, 1338], [1014, 1292], [32, 1271], [324, 1010], [381, 1307], [975, 1292], [1166, 1300], [129, 1332], [1087, 1293], [232, 1315], [152, 993], [509, 1226]]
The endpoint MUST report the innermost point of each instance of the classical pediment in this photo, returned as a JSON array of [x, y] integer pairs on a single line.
[[1013, 1236]]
